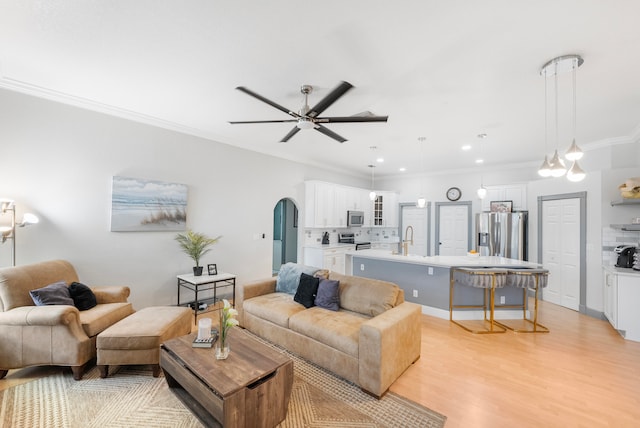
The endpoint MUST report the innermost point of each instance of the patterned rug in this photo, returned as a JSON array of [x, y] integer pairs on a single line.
[[131, 397]]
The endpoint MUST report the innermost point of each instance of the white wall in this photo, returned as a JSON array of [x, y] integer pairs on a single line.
[[58, 162]]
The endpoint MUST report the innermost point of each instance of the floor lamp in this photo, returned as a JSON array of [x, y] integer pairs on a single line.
[[9, 232]]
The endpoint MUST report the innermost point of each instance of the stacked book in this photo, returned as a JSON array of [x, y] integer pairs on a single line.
[[205, 342]]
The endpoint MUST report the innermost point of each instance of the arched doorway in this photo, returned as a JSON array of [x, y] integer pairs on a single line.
[[285, 233]]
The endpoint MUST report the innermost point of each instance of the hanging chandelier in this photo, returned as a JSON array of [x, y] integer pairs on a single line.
[[556, 167]]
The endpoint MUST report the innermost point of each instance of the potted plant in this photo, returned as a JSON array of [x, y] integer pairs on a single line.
[[195, 245]]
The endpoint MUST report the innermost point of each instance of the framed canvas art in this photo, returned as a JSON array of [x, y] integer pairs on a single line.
[[139, 205], [501, 206]]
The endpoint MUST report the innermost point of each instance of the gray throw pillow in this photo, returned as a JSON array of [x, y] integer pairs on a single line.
[[328, 295], [53, 294]]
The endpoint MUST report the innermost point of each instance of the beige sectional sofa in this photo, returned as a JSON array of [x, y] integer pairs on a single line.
[[371, 340], [57, 334]]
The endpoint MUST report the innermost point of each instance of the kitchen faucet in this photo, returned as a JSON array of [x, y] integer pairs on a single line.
[[406, 242]]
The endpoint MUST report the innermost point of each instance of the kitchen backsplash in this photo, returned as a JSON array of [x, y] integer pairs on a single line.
[[363, 234], [611, 238]]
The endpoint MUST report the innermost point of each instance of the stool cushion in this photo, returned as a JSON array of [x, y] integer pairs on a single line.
[[482, 278], [146, 329], [527, 278]]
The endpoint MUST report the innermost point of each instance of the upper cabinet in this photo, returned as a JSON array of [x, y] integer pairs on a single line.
[[326, 204], [385, 210], [516, 193]]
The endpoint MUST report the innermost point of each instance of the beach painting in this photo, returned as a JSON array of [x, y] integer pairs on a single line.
[[139, 205]]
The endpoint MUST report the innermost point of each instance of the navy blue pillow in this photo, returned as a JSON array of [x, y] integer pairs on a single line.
[[328, 295], [306, 292], [83, 297]]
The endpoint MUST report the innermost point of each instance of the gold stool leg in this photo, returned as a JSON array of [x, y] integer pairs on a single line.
[[535, 326]]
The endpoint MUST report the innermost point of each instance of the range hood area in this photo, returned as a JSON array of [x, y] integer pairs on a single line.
[[626, 227]]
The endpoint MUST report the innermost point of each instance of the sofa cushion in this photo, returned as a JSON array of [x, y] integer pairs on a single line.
[[367, 296], [339, 330], [53, 294], [328, 295], [306, 293], [83, 297], [98, 318], [274, 307]]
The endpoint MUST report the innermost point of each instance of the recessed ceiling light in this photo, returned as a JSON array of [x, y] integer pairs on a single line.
[[403, 169], [479, 160], [466, 147], [380, 160]]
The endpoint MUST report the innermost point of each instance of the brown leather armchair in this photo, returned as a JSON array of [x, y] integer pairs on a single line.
[[57, 334]]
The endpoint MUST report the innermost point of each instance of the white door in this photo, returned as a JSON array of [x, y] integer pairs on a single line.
[[417, 219], [561, 251], [453, 230]]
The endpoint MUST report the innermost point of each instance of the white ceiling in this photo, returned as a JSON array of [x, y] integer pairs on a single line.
[[445, 70]]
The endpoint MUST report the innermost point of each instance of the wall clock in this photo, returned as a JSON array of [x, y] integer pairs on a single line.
[[453, 194]]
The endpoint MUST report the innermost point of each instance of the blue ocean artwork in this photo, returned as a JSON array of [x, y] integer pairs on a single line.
[[139, 205]]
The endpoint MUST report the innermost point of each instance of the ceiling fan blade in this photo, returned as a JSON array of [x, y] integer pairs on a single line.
[[291, 133], [333, 96], [262, 121], [267, 101], [329, 133], [347, 119]]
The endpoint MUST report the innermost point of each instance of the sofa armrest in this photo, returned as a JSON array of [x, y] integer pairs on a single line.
[[41, 315], [388, 344], [111, 294], [253, 289]]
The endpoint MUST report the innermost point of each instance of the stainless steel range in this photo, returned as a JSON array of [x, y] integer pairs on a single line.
[[350, 238]]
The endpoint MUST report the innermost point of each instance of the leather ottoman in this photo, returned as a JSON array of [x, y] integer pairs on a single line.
[[136, 339]]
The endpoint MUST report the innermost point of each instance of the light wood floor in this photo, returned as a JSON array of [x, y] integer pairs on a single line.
[[582, 374]]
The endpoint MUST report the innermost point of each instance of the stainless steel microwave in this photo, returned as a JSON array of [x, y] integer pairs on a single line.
[[355, 218]]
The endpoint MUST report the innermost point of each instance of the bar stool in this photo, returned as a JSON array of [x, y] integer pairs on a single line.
[[527, 279], [487, 278]]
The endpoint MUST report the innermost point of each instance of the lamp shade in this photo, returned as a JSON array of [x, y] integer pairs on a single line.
[[557, 166], [575, 173], [421, 202], [574, 152], [28, 219], [482, 192], [545, 168], [372, 195]]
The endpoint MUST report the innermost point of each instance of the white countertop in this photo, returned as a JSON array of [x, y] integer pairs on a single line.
[[623, 271], [330, 246], [444, 261]]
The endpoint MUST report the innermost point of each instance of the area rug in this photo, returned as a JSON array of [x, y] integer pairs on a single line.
[[131, 397]]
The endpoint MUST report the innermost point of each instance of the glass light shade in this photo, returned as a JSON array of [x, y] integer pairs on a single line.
[[421, 202], [372, 195], [29, 218], [575, 173], [574, 152], [482, 192], [545, 168], [557, 166]]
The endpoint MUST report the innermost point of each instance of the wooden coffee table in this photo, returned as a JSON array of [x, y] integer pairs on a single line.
[[251, 388]]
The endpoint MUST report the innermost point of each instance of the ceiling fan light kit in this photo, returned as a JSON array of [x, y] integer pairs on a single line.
[[309, 118], [555, 167]]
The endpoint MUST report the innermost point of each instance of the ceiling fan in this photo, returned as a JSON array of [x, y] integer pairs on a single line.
[[308, 118]]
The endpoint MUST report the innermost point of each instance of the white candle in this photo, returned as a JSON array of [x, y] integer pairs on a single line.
[[204, 328]]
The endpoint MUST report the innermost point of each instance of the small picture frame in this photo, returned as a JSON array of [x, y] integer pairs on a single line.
[[212, 269], [501, 206]]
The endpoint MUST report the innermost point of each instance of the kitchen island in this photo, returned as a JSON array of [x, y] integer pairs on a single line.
[[426, 279]]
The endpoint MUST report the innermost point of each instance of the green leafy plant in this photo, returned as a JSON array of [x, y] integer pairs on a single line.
[[195, 245]]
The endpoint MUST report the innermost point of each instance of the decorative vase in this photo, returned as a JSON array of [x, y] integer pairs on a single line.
[[197, 271], [222, 350]]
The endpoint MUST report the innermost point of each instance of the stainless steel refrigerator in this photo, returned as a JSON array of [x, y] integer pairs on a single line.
[[502, 234]]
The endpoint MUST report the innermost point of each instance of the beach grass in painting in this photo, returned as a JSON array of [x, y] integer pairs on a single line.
[[139, 205]]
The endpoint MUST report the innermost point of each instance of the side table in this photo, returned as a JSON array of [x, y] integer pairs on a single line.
[[199, 284]]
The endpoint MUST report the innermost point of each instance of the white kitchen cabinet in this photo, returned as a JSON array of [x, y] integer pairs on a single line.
[[326, 204], [516, 193], [611, 297], [332, 258], [621, 297], [385, 209]]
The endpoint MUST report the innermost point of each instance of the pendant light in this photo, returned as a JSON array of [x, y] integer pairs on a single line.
[[482, 191], [557, 165], [422, 201], [545, 168], [372, 194]]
